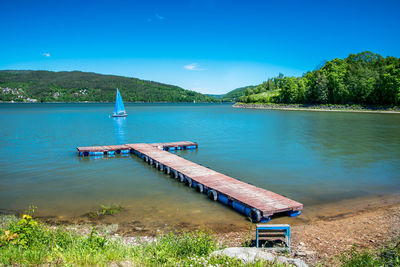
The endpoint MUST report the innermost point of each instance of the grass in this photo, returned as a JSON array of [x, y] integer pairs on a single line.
[[387, 256], [29, 242]]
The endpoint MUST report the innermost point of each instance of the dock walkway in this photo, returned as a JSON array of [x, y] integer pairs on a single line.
[[254, 202]]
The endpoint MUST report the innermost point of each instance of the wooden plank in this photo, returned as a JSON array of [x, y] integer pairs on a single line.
[[119, 147], [174, 144], [102, 148], [92, 149]]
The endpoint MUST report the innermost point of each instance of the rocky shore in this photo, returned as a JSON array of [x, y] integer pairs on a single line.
[[335, 108]]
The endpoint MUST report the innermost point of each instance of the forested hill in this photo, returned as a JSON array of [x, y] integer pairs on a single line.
[[364, 79], [48, 86], [235, 94]]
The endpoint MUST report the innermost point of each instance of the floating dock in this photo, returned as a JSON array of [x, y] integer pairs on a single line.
[[256, 203]]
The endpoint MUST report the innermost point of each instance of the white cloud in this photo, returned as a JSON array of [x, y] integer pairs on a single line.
[[193, 66], [155, 18], [46, 54]]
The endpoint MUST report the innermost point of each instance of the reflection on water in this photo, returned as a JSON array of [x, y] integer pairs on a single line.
[[312, 157], [120, 129]]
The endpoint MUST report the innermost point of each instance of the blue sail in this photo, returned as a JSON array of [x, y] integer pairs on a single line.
[[119, 105]]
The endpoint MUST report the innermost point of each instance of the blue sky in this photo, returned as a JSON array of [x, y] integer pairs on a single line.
[[203, 45]]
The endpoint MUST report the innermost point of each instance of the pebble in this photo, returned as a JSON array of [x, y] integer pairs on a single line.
[[304, 253], [300, 253]]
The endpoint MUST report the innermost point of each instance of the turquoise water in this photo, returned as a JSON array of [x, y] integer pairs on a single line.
[[312, 157]]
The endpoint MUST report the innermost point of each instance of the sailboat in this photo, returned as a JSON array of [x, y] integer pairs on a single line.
[[119, 106]]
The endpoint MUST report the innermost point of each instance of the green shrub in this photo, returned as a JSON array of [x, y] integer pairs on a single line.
[[23, 233]]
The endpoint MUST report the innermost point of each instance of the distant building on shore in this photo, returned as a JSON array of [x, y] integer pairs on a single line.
[[32, 100]]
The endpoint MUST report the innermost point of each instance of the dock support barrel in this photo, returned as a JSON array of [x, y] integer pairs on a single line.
[[181, 177], [293, 213], [96, 153], [212, 194], [224, 199], [255, 215], [188, 182], [160, 167], [200, 188], [241, 208]]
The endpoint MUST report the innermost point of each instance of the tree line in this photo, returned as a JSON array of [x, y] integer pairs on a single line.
[[75, 86], [365, 79]]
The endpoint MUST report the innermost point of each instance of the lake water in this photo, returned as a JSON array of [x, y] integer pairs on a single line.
[[311, 157]]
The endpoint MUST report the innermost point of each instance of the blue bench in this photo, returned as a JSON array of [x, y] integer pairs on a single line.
[[273, 231]]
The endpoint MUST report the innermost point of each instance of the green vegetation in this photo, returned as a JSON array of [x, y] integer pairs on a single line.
[[235, 94], [388, 256], [219, 97], [264, 97], [186, 245], [76, 86], [364, 79], [104, 210], [28, 242]]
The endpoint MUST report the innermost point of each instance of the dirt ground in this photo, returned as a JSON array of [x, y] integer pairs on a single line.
[[366, 223]]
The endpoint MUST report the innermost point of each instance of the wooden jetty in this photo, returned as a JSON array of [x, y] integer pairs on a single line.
[[254, 202]]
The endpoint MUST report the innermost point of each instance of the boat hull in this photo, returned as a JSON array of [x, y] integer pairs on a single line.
[[122, 115]]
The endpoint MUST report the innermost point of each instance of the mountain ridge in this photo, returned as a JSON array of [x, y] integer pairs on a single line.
[[79, 86]]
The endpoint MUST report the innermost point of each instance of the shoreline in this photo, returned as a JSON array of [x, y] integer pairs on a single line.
[[328, 211], [319, 235], [318, 108]]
